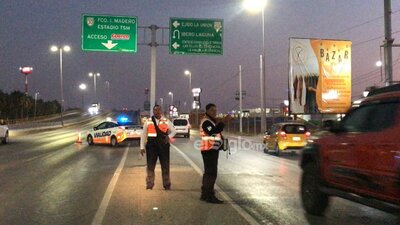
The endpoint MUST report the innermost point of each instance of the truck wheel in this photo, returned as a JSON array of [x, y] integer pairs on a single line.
[[89, 140], [114, 141], [314, 200]]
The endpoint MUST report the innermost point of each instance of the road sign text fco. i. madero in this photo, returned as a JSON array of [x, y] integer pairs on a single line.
[[109, 33], [196, 36]]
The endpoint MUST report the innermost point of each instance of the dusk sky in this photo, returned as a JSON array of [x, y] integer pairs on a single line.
[[29, 28]]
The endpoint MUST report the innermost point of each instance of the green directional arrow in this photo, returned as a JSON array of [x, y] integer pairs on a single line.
[[109, 33], [196, 36]]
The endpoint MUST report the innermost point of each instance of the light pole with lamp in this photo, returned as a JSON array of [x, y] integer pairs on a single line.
[[94, 75], [172, 97], [256, 5], [83, 88], [65, 48], [189, 74]]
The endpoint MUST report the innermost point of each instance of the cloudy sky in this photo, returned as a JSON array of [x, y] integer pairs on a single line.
[[29, 28]]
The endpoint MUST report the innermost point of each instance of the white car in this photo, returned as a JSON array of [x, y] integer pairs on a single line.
[[113, 133], [182, 127], [3, 133], [94, 109]]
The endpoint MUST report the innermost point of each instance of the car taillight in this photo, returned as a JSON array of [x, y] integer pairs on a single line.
[[308, 134], [283, 134], [189, 126]]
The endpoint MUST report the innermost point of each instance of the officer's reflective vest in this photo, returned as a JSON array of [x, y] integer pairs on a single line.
[[151, 129], [208, 142]]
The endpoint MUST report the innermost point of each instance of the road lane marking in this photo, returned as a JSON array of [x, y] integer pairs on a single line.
[[225, 196], [101, 211]]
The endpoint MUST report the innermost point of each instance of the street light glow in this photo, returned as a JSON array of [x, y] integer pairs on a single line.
[[54, 48], [66, 48], [187, 72], [378, 63], [82, 86], [91, 74], [254, 5]]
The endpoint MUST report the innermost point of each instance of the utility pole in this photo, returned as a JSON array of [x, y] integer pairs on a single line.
[[388, 43]]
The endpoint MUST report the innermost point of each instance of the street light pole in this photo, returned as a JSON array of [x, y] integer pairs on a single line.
[[172, 97], [188, 73], [108, 93], [94, 75], [66, 48], [162, 103], [34, 115], [82, 87], [255, 5], [240, 100]]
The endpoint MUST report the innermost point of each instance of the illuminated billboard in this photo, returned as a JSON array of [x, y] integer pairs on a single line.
[[319, 76]]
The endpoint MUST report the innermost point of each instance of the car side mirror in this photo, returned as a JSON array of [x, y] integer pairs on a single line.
[[94, 128]]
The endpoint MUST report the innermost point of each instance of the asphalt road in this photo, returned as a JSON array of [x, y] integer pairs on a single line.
[[47, 178]]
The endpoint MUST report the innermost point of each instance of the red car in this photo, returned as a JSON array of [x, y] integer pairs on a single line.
[[359, 159]]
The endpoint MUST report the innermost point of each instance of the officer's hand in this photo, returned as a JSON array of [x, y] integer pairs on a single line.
[[142, 152]]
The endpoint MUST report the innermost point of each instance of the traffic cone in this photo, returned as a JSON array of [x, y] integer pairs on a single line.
[[79, 139]]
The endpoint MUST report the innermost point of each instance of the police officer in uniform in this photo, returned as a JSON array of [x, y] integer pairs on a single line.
[[157, 146], [211, 143]]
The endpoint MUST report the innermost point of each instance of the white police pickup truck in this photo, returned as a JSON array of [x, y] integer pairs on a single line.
[[3, 132]]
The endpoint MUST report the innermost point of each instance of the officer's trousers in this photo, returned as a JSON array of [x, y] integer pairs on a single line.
[[153, 152], [210, 160]]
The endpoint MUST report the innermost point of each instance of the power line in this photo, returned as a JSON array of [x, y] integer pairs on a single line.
[[364, 23]]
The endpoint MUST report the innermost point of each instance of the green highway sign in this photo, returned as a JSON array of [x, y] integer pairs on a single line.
[[109, 33], [196, 36]]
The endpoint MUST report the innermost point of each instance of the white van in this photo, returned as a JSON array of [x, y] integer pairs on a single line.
[[182, 127]]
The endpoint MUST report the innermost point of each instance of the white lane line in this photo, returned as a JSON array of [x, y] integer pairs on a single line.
[[225, 196], [101, 211]]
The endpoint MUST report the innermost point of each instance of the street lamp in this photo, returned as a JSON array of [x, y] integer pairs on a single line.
[[65, 48], [189, 74], [255, 6], [172, 97], [94, 75], [83, 87]]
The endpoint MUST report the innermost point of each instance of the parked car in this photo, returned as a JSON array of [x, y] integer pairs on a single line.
[[4, 132], [284, 136], [182, 127], [358, 160]]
